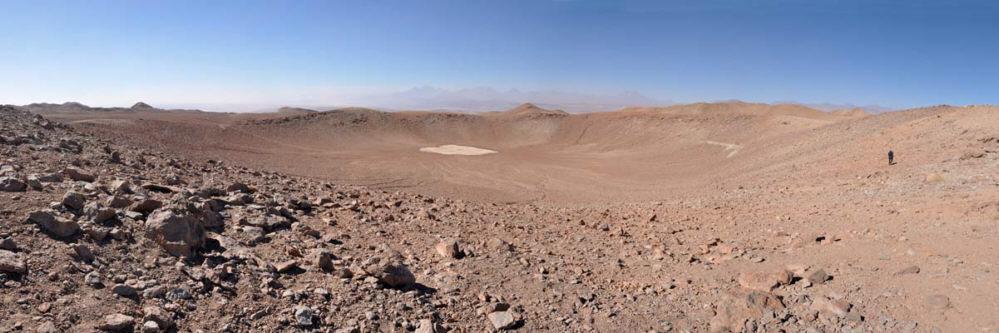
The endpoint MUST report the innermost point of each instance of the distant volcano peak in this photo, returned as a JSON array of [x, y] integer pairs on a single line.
[[531, 109], [142, 106]]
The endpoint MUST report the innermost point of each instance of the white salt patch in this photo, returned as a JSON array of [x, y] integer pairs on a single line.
[[457, 150], [731, 148]]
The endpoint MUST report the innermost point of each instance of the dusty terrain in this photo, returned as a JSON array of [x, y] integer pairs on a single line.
[[704, 217]]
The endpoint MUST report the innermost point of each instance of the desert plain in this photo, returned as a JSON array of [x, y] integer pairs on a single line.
[[720, 217]]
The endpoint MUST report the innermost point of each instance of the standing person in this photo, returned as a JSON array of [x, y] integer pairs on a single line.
[[891, 157]]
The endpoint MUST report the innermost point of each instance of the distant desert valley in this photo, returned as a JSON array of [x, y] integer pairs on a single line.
[[705, 217]]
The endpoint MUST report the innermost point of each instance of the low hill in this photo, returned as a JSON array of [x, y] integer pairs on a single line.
[[74, 107], [287, 110], [142, 106], [528, 110]]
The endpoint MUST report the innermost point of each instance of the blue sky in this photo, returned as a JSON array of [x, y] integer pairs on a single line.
[[893, 53]]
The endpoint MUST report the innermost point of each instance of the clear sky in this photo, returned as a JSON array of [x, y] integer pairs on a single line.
[[893, 53]]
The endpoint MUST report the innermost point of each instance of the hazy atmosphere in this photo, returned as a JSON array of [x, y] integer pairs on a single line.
[[491, 55]]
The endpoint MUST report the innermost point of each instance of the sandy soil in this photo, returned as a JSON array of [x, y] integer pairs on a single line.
[[645, 219]]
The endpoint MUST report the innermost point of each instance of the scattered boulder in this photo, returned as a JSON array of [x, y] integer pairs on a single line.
[[343, 273], [177, 233], [70, 146], [502, 320], [253, 234], [118, 201], [215, 205], [124, 290], [146, 206], [47, 327], [120, 187], [238, 187], [11, 184], [286, 266], [54, 225], [839, 308], [11, 263], [8, 244], [150, 327], [83, 253], [154, 292], [177, 294], [117, 323], [797, 270], [391, 272], [48, 177], [304, 316], [119, 234], [499, 244], [239, 199], [96, 233], [100, 214], [268, 222], [764, 281], [304, 229], [158, 188], [762, 300], [737, 308], [78, 175], [34, 183], [93, 279], [818, 276], [324, 260], [448, 249], [163, 319], [74, 200], [209, 215], [428, 326], [41, 121]]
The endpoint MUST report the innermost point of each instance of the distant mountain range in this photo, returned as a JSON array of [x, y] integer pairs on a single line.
[[69, 107], [872, 109], [490, 99], [481, 99]]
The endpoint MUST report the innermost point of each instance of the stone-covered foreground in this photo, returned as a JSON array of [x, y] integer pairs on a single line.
[[97, 236]]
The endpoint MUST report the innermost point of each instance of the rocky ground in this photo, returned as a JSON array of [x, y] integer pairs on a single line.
[[102, 236]]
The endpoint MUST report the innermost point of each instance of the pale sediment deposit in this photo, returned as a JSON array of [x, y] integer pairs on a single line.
[[457, 150]]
